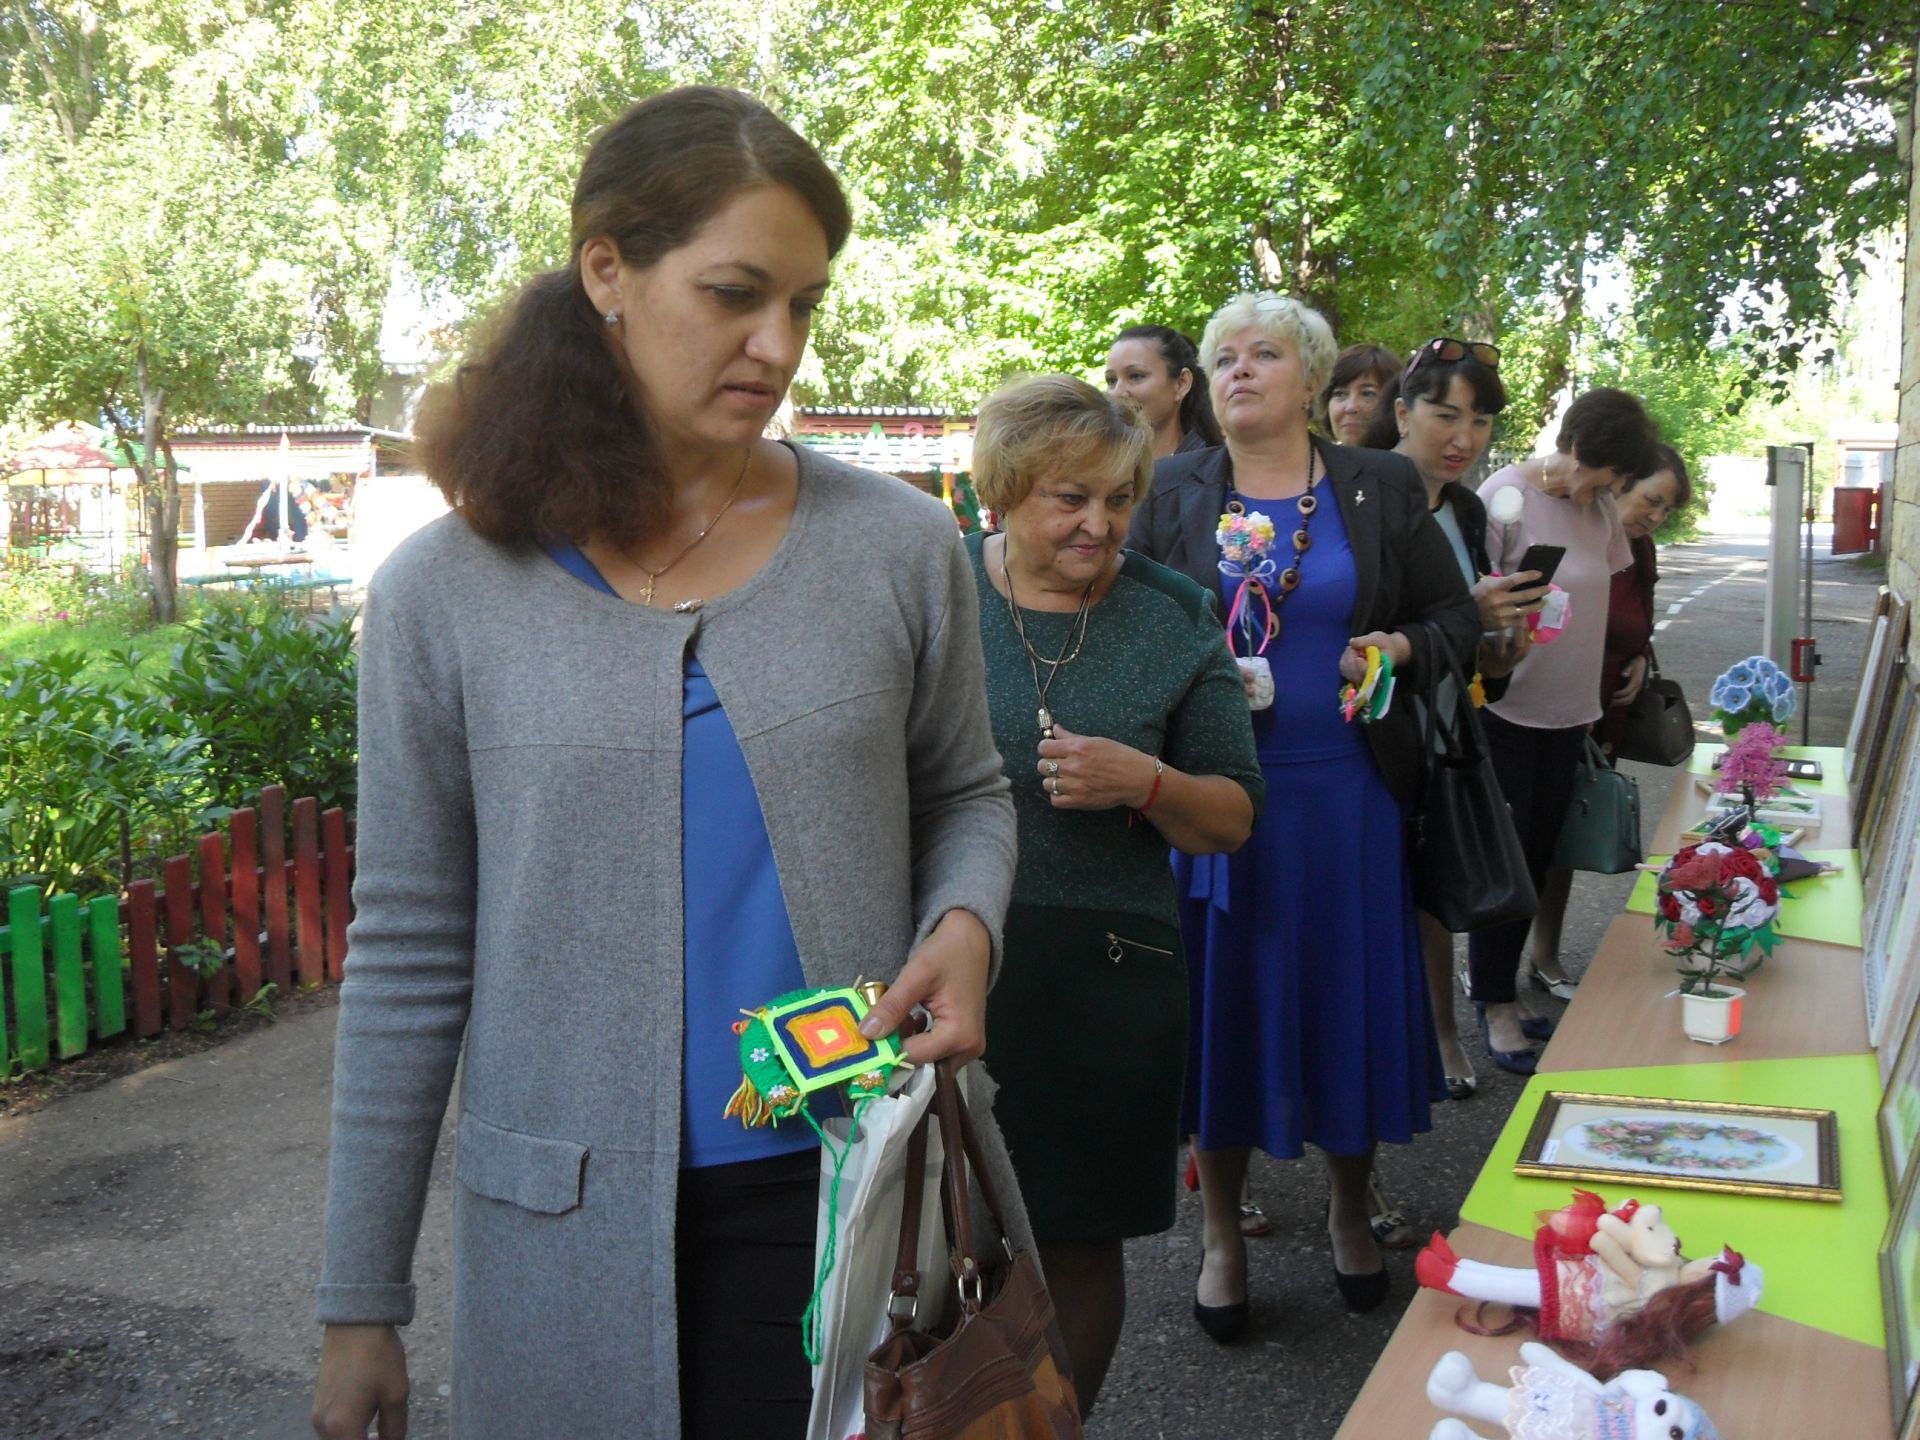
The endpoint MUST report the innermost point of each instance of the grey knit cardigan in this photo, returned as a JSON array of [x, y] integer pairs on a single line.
[[518, 908]]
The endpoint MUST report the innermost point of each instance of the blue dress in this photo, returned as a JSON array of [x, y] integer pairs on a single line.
[[1309, 1019]]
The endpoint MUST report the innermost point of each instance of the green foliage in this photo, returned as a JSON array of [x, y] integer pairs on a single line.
[[35, 589], [203, 957], [271, 693], [108, 761], [208, 204], [91, 767]]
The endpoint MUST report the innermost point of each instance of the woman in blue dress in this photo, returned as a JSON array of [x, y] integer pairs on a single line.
[[1309, 1016]]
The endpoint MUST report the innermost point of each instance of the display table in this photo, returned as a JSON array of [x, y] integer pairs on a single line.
[[1763, 1376], [1811, 1359]]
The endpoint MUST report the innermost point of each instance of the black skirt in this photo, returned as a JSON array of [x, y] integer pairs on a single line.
[[1087, 1040]]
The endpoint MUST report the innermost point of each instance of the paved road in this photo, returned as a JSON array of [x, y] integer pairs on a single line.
[[159, 1238]]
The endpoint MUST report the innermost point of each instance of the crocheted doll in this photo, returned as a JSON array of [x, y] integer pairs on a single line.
[[1611, 1281], [1552, 1399]]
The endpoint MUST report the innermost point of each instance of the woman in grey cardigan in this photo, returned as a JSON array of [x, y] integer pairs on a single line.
[[664, 720]]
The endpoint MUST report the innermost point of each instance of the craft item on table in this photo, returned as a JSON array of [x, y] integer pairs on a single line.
[[1552, 1399], [1750, 692], [1609, 1283], [1372, 697], [794, 1045], [1716, 905]]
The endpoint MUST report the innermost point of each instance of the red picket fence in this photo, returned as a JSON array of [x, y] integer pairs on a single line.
[[277, 917]]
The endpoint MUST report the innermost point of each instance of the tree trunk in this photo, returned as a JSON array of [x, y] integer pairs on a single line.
[[160, 481], [1556, 363]]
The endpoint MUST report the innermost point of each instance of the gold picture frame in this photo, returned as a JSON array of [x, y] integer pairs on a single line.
[[1779, 1151], [1900, 1305]]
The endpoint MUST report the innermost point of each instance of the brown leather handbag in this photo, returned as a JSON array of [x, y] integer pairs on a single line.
[[996, 1369]]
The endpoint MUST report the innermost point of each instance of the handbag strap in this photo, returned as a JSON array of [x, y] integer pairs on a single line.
[[903, 1302], [1458, 734], [961, 1144]]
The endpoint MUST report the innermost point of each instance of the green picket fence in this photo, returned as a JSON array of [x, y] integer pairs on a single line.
[[88, 974]]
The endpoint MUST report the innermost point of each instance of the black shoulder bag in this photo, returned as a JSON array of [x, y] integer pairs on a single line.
[[1659, 726], [1463, 853]]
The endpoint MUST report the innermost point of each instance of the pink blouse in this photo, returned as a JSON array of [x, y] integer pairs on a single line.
[[1557, 686]]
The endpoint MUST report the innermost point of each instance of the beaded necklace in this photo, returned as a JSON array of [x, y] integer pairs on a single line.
[[1306, 504]]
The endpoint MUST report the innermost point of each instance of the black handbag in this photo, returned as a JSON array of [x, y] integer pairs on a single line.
[[1463, 853], [1659, 727], [1602, 829]]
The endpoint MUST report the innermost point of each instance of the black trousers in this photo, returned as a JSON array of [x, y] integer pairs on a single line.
[[744, 1257], [1536, 769]]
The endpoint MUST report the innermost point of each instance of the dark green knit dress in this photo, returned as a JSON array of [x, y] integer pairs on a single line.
[[1087, 1027]]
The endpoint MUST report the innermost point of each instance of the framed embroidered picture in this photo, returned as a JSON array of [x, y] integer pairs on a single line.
[[1769, 1150], [1900, 1301]]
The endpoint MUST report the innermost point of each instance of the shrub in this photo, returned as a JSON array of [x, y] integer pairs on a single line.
[[271, 693], [93, 767]]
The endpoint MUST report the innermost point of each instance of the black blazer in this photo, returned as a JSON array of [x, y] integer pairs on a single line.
[[1406, 569]]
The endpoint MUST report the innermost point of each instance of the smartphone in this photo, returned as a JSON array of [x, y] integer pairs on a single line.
[[1544, 558]]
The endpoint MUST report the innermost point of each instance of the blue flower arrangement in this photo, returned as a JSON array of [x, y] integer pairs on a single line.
[[1753, 690]]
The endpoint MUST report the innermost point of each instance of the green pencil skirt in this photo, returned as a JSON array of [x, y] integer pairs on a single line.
[[1087, 1040]]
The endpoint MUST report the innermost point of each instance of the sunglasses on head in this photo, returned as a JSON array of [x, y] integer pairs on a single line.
[[1445, 350]]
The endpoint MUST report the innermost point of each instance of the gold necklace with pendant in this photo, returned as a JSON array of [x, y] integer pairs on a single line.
[[653, 576], [1069, 648]]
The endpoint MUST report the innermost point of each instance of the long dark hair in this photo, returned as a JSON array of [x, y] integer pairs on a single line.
[[1430, 381], [539, 433], [1180, 353]]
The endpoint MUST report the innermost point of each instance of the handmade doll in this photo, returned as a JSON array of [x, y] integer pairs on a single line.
[[1552, 1399], [1612, 1281]]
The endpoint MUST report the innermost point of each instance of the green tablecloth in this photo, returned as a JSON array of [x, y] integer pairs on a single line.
[[1819, 1257], [1827, 907]]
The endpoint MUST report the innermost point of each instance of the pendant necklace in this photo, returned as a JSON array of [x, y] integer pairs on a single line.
[[653, 576], [1069, 648]]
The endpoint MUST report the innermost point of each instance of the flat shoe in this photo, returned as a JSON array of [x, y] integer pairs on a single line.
[[1254, 1223], [1461, 1087], [1561, 989], [1537, 1027], [1514, 1062], [1390, 1228]]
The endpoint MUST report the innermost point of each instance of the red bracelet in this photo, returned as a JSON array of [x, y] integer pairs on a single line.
[[1154, 793]]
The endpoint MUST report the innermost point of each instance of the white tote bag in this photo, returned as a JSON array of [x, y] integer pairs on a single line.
[[853, 1305]]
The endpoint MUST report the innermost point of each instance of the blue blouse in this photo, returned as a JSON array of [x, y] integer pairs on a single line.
[[739, 948]]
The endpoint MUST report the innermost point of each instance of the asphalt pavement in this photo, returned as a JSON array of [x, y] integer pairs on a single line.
[[159, 1237]]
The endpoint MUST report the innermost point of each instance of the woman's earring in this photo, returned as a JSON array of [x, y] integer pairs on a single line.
[[612, 317]]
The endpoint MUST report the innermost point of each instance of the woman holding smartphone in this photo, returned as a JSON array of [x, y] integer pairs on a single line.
[[1537, 730]]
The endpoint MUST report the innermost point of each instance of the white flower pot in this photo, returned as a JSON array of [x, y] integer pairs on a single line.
[[1712, 1018]]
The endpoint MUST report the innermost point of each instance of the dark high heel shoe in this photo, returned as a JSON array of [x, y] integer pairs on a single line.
[[1364, 1291], [1223, 1323]]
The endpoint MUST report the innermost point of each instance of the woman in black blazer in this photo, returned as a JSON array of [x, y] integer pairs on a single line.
[[1310, 1021]]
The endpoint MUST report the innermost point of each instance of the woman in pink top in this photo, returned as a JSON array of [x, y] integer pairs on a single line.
[[1537, 730]]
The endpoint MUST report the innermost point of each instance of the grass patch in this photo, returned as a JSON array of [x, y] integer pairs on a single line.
[[99, 640]]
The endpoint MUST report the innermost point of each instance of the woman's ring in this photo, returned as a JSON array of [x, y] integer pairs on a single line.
[[1053, 767]]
